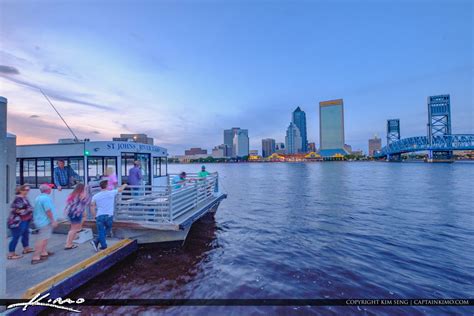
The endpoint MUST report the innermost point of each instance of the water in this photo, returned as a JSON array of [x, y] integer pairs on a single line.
[[316, 230]]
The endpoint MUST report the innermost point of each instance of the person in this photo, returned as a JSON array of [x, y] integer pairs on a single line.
[[102, 208], [112, 179], [178, 181], [135, 177], [43, 217], [63, 175], [76, 205], [203, 172], [19, 222]]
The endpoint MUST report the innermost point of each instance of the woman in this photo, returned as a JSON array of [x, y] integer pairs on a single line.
[[112, 180], [76, 205], [19, 222]]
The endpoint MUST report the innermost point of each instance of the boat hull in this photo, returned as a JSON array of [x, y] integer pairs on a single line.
[[145, 235]]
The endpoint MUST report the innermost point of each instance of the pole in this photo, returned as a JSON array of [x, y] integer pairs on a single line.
[[3, 197]]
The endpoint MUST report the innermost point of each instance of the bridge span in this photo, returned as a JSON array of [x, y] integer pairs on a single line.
[[421, 143], [440, 142]]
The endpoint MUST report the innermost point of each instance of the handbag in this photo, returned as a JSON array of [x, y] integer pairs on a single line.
[[14, 220]]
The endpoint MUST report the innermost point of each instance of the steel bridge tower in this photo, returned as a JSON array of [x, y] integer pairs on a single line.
[[439, 124], [393, 135]]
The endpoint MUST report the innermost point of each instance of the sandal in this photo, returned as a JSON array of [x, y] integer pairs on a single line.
[[35, 261], [50, 253], [72, 247], [14, 257], [29, 250]]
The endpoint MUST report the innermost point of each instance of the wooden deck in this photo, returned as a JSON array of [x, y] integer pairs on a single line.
[[24, 280]]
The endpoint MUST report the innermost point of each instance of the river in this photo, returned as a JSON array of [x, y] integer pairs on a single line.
[[315, 230]]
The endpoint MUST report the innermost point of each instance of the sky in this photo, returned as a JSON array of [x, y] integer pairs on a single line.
[[183, 71]]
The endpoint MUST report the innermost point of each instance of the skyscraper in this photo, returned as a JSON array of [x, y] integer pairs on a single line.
[[299, 119], [293, 139], [375, 144], [268, 147], [229, 139], [331, 127], [241, 143]]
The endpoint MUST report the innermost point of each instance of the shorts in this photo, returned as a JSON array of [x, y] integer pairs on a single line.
[[75, 219], [45, 232]]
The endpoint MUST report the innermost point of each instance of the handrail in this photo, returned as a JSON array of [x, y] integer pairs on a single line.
[[165, 204]]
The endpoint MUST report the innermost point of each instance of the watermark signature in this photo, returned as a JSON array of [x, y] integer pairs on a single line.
[[57, 303]]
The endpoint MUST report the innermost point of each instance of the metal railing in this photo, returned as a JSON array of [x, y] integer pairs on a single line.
[[165, 204]]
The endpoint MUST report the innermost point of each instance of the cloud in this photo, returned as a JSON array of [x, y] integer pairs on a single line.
[[39, 130], [34, 116], [9, 70], [57, 95]]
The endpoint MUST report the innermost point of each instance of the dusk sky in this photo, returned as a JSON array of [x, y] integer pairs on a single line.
[[183, 71]]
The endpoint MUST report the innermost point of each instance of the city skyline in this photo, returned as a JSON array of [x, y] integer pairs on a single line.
[[150, 76]]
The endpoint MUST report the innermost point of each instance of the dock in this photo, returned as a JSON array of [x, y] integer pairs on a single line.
[[63, 272]]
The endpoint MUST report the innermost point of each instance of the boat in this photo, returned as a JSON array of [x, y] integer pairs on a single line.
[[159, 211]]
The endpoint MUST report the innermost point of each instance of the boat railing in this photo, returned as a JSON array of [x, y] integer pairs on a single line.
[[165, 204]]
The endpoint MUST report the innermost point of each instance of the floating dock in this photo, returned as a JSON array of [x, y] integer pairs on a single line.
[[63, 272]]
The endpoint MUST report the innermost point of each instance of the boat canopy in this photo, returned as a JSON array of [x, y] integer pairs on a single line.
[[89, 161]]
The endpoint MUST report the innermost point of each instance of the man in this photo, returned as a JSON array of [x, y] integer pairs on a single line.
[[43, 217], [179, 181], [63, 175], [135, 174], [135, 177], [203, 172], [102, 208]]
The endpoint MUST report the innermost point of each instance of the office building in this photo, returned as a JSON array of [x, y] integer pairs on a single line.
[[299, 119], [253, 152], [220, 151], [137, 138], [293, 139], [229, 139], [268, 147], [240, 143], [375, 144], [331, 128], [229, 135], [195, 151], [311, 147]]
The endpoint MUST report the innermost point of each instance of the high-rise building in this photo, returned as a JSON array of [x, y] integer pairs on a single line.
[[240, 143], [229, 140], [137, 138], [268, 147], [331, 128], [312, 147], [375, 144], [299, 119], [293, 139], [195, 151]]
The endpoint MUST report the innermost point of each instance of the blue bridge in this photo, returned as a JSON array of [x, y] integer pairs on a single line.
[[421, 143], [439, 143]]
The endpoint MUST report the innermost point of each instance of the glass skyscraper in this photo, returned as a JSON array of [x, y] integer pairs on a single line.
[[299, 119], [331, 127], [293, 139]]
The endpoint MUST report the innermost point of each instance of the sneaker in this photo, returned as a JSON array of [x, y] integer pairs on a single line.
[[94, 245]]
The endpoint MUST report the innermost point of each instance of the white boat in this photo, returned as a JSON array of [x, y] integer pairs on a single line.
[[157, 212]]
